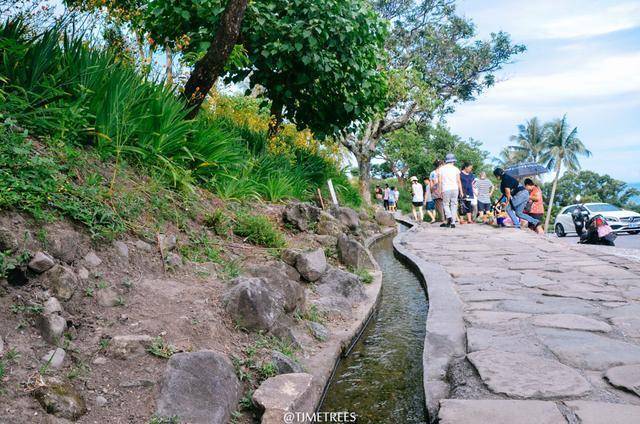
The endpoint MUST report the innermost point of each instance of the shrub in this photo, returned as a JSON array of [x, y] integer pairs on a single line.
[[258, 230]]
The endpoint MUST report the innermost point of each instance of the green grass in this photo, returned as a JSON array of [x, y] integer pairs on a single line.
[[161, 349], [364, 275], [258, 230]]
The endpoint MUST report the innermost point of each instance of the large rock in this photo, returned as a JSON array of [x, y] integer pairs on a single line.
[[590, 351], [284, 280], [199, 388], [254, 304], [276, 270], [41, 262], [301, 215], [385, 218], [286, 393], [346, 216], [570, 322], [92, 260], [128, 346], [604, 413], [60, 399], [352, 253], [526, 376], [329, 226], [285, 364], [8, 240], [626, 377], [52, 327], [342, 285], [52, 306], [311, 265], [457, 411], [121, 249], [64, 243], [61, 281]]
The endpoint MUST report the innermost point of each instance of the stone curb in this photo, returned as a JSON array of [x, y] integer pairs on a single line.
[[445, 338], [323, 362]]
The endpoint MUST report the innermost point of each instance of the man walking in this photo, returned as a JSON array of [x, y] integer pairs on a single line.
[[516, 199], [467, 178], [485, 188], [417, 199], [385, 197], [449, 177]]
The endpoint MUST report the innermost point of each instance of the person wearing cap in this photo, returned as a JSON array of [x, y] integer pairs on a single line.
[[417, 199], [516, 198], [451, 186]]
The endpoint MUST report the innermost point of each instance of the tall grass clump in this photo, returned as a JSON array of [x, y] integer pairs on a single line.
[[258, 230]]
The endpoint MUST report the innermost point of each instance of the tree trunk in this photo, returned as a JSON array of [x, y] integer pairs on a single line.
[[169, 75], [276, 118], [364, 179], [207, 70], [553, 194]]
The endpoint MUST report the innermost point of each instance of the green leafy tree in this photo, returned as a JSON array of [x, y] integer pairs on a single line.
[[508, 157], [592, 187], [435, 61], [562, 148], [318, 61], [530, 140]]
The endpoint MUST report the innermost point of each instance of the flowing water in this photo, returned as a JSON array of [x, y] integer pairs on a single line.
[[381, 379]]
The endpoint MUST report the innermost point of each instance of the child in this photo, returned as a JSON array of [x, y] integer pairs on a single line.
[[392, 199]]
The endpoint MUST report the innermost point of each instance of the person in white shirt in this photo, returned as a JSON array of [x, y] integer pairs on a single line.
[[449, 178], [417, 199]]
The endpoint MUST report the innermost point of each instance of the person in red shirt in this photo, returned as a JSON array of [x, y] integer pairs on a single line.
[[536, 205]]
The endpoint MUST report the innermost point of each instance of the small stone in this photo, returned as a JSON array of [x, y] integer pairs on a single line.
[[173, 260], [526, 376], [311, 265], [385, 218], [570, 322], [284, 364], [319, 331], [8, 240], [52, 306], [125, 347], [168, 242], [458, 411], [121, 249], [136, 383], [100, 360], [83, 273], [1, 346], [107, 297], [52, 327], [54, 358], [41, 262], [625, 377], [144, 246], [60, 399], [290, 256], [284, 393], [92, 260], [604, 413], [61, 281], [101, 401]]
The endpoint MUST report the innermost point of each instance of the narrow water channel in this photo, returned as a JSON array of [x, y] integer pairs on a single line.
[[381, 379]]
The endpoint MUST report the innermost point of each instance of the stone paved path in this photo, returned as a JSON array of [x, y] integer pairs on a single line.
[[552, 332]]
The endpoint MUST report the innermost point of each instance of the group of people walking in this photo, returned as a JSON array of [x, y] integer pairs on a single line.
[[457, 196]]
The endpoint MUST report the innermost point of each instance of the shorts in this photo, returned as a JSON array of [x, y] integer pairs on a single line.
[[391, 203], [466, 206], [417, 204], [431, 205], [484, 207]]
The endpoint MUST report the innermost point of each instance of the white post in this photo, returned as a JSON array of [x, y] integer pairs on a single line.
[[334, 199]]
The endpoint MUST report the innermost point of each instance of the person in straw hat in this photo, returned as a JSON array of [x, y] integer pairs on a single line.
[[417, 199]]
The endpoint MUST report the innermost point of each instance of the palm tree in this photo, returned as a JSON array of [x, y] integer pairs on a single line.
[[561, 148], [530, 140], [508, 157]]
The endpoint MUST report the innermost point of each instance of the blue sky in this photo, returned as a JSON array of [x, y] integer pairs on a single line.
[[582, 59]]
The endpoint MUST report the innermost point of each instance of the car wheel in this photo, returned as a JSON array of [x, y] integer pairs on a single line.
[[560, 230], [634, 232]]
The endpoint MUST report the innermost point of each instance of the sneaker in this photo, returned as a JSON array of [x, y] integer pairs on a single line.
[[445, 225], [452, 226]]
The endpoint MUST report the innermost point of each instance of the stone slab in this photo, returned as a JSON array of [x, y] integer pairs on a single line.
[[604, 413], [570, 322], [626, 377], [587, 350], [525, 376], [482, 339], [494, 318], [455, 411], [549, 305]]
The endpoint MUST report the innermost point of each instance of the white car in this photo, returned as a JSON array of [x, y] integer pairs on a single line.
[[619, 219]]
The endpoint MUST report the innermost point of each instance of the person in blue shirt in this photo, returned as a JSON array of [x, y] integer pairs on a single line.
[[467, 178], [516, 198]]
